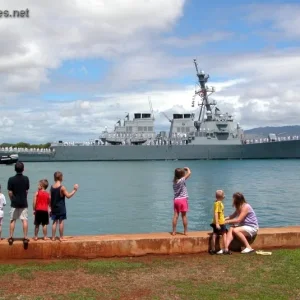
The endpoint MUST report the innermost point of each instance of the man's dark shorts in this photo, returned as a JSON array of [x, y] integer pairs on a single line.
[[59, 217], [220, 231]]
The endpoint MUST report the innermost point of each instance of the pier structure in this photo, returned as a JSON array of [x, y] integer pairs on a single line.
[[126, 245]]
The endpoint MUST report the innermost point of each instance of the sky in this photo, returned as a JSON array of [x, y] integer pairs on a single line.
[[73, 67]]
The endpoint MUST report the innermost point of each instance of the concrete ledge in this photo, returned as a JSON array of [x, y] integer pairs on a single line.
[[139, 244]]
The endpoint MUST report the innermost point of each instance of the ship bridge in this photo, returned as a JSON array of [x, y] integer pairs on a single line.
[[183, 123], [133, 131], [141, 123]]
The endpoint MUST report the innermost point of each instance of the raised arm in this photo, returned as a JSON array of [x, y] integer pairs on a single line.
[[66, 193], [188, 173]]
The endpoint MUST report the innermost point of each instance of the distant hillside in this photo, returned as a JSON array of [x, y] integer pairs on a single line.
[[264, 131]]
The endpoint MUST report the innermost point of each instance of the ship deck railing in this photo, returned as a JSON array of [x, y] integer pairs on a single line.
[[267, 140], [26, 150], [178, 141]]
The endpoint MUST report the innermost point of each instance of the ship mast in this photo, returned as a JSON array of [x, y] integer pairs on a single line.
[[171, 127], [151, 108], [203, 94]]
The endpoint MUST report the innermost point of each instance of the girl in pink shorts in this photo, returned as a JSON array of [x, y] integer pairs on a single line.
[[180, 197]]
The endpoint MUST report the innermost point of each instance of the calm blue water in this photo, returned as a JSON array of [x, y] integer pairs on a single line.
[[128, 197]]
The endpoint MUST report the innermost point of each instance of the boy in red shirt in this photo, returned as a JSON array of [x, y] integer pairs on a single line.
[[41, 208]]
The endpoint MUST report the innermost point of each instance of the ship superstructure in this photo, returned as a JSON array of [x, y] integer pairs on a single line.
[[137, 131], [211, 126]]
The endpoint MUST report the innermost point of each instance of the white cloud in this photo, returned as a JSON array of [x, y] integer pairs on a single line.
[[284, 18], [149, 67], [84, 119], [6, 122], [59, 30], [263, 90]]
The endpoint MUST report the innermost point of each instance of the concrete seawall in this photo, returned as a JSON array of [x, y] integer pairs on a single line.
[[139, 244]]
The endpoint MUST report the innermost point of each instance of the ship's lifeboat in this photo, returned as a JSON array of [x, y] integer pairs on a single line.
[[114, 142], [8, 159]]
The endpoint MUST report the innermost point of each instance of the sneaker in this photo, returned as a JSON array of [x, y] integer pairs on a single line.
[[227, 252], [212, 252], [247, 250], [220, 252]]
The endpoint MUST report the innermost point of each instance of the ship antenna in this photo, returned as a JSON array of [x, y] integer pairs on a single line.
[[202, 79], [196, 66], [171, 128], [151, 108]]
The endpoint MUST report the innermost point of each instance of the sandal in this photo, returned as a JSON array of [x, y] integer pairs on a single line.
[[10, 241]]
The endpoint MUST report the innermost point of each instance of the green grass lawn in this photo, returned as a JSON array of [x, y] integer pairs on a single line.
[[189, 277]]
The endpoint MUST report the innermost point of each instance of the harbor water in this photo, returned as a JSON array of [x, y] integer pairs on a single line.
[[136, 197]]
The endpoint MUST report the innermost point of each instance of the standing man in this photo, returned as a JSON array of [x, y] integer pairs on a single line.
[[18, 187]]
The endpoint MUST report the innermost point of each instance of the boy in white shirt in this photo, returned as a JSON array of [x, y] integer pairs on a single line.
[[2, 204]]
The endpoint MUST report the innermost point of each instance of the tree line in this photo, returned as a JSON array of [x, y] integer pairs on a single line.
[[26, 145]]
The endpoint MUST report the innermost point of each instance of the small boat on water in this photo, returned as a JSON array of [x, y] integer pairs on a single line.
[[9, 159]]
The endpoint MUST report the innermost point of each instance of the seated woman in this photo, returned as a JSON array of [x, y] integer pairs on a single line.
[[245, 221]]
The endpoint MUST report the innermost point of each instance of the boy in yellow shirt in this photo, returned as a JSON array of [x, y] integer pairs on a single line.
[[218, 224]]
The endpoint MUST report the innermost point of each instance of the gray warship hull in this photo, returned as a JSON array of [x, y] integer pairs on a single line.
[[270, 150]]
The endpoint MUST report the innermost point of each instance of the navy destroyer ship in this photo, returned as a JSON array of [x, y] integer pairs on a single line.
[[209, 135]]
